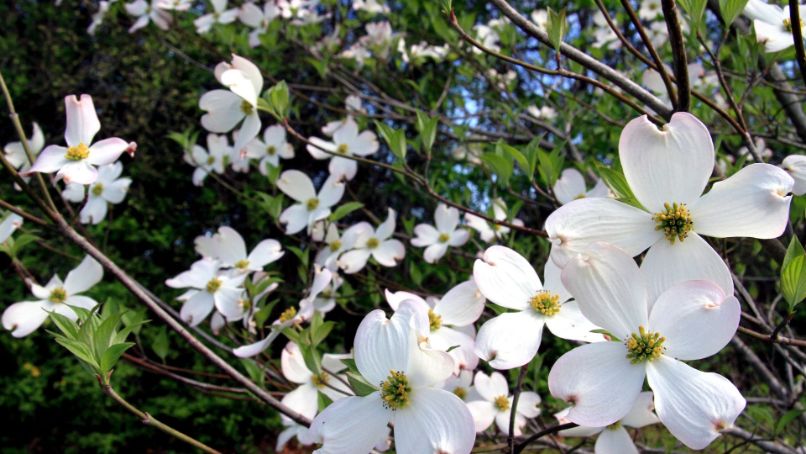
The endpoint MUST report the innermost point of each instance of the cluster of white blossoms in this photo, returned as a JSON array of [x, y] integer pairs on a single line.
[[772, 24]]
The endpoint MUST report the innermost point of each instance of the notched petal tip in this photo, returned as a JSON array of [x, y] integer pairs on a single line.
[[131, 149]]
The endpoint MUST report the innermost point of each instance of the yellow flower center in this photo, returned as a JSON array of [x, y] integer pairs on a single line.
[[615, 426], [77, 152], [546, 303], [311, 204], [335, 245], [434, 320], [501, 403], [213, 285], [460, 392], [287, 314], [443, 238], [242, 264], [644, 346], [247, 108], [675, 221], [788, 24], [372, 243], [245, 304], [210, 161], [98, 189], [342, 149], [395, 390], [58, 295], [271, 150], [320, 380]]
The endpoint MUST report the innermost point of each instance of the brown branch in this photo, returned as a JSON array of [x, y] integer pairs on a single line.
[[797, 36], [679, 55]]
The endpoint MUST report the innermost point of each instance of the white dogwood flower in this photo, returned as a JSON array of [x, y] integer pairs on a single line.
[[512, 339], [450, 320], [796, 166], [460, 385], [219, 15], [353, 106], [226, 108], [310, 207], [15, 153], [209, 162], [346, 142], [257, 18], [614, 439], [772, 24], [271, 149], [208, 289], [8, 225], [650, 10], [436, 240], [376, 243], [495, 404], [690, 320], [488, 231], [228, 247], [370, 6], [407, 376], [147, 13], [667, 170], [304, 399], [571, 186], [109, 188], [77, 162], [336, 244], [25, 317]]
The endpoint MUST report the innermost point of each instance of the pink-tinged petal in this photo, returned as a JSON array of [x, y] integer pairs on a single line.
[[506, 277], [510, 340], [389, 253], [107, 151], [82, 120], [446, 218], [574, 227], [296, 185], [462, 347], [697, 319], [351, 425], [667, 264], [78, 172], [608, 287], [491, 386], [250, 128], [433, 253], [642, 413], [483, 412], [24, 318], [615, 441], [50, 160], [754, 202], [570, 186], [695, 406], [462, 305], [426, 235], [670, 164], [569, 323], [88, 273], [796, 166], [598, 381], [435, 421], [197, 308]]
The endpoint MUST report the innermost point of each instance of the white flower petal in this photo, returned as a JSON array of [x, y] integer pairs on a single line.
[[50, 160], [642, 413], [266, 252], [197, 308], [354, 261], [754, 202], [510, 340], [82, 120], [491, 386], [569, 186], [295, 218], [296, 185], [598, 381], [107, 151], [426, 235], [446, 218], [88, 273], [332, 191], [304, 400], [24, 317], [506, 278], [382, 345], [697, 319], [483, 412], [796, 166], [529, 404], [351, 425], [389, 252], [462, 305], [435, 421], [615, 441], [666, 165], [569, 323], [433, 253], [693, 405]]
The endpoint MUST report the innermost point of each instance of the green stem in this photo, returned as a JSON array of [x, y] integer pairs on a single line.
[[149, 420]]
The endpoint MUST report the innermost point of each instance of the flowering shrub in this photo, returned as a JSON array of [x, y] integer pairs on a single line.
[[398, 198]]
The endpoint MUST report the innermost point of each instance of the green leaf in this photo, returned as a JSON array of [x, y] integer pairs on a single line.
[[556, 27], [277, 101], [787, 418], [395, 139], [550, 165], [696, 11], [516, 154], [730, 9], [359, 385], [102, 336], [606, 333], [160, 346], [112, 354], [500, 165], [323, 400], [795, 249], [617, 183], [321, 332], [344, 210], [311, 358], [68, 327], [427, 127], [793, 281]]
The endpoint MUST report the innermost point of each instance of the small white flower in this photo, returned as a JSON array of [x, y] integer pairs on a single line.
[[346, 142], [226, 108], [305, 398], [25, 317], [209, 162], [436, 240], [772, 24], [77, 162], [98, 16], [310, 207], [353, 106], [488, 38], [108, 188], [541, 18], [8, 225], [336, 245], [542, 113], [228, 247], [761, 147], [688, 321], [796, 166], [571, 186], [220, 15], [370, 6], [146, 13], [257, 18], [378, 244], [496, 404], [321, 299], [614, 438], [15, 152], [209, 289], [460, 385], [512, 339], [408, 376], [488, 231], [300, 12], [271, 149]]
